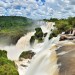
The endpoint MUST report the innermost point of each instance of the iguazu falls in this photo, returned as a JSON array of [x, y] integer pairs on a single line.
[[37, 37]]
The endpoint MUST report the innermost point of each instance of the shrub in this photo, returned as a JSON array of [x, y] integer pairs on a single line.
[[54, 33], [3, 54], [7, 67], [4, 60]]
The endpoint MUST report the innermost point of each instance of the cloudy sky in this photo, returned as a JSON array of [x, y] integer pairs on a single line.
[[38, 9]]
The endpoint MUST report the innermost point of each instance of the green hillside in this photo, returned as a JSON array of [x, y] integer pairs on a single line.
[[13, 27]]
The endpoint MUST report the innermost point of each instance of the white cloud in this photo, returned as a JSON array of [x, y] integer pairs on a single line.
[[37, 9], [2, 4]]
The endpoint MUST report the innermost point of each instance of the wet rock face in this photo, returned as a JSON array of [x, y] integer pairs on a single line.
[[67, 60], [63, 38], [32, 39], [69, 31], [45, 34], [26, 55], [74, 34]]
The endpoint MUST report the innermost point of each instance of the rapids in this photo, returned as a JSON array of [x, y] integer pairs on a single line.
[[45, 60]]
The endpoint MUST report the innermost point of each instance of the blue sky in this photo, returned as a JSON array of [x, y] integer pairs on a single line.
[[38, 9]]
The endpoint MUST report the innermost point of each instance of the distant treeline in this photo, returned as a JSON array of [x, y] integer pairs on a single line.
[[13, 21], [62, 25]]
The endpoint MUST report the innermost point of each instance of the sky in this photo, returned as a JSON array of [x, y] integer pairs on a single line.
[[38, 9]]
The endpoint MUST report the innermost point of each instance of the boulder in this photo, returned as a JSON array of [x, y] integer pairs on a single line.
[[32, 39], [39, 33], [26, 55], [37, 36], [45, 34], [69, 31], [74, 34], [63, 37]]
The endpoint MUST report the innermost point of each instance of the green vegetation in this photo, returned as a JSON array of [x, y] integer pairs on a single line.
[[13, 21], [7, 67], [37, 36], [32, 39], [3, 54], [27, 55], [54, 33], [51, 20], [62, 25], [13, 27]]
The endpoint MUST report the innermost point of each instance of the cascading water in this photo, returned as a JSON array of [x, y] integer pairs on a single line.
[[24, 42], [45, 60], [40, 49]]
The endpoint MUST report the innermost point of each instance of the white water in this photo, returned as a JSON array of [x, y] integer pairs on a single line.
[[37, 47], [45, 60], [24, 42]]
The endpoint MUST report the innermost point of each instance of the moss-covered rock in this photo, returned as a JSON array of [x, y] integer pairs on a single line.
[[37, 36], [32, 39], [45, 34], [39, 33], [38, 29], [40, 40], [54, 34], [26, 55]]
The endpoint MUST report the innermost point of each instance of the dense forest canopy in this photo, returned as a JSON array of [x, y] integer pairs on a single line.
[[13, 21]]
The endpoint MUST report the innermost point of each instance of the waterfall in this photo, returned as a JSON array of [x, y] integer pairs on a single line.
[[24, 42], [43, 53], [45, 62]]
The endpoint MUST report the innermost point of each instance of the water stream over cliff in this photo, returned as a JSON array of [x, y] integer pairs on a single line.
[[45, 60]]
